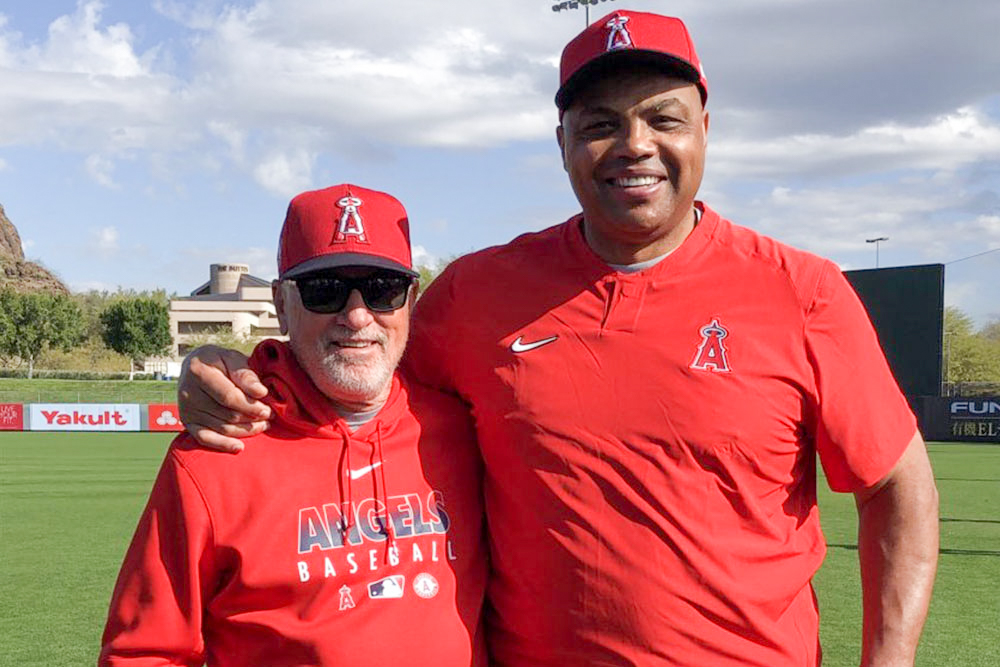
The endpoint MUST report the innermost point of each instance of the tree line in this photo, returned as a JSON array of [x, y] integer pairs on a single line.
[[135, 325], [970, 355], [88, 326]]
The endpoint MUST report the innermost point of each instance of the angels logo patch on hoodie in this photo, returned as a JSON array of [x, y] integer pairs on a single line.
[[712, 353]]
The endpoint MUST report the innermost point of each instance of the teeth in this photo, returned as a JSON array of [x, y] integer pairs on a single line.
[[635, 181], [352, 343]]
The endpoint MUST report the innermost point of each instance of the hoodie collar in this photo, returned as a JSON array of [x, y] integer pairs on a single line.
[[298, 404]]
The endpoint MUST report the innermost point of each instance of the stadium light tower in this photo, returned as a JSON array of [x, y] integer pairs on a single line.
[[876, 241], [575, 4]]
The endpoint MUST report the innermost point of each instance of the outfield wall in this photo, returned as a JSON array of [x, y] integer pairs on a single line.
[[89, 417], [959, 418]]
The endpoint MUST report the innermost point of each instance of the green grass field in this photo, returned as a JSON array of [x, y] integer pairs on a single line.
[[13, 390], [69, 503]]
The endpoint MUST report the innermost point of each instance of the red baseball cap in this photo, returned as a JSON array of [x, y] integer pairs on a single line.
[[344, 225], [624, 38]]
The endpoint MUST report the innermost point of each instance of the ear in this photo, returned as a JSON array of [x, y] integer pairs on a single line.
[[414, 291], [278, 294], [561, 140], [704, 121]]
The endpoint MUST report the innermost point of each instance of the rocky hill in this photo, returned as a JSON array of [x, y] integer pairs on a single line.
[[17, 273]]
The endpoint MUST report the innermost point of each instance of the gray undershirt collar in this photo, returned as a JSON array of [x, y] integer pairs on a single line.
[[642, 266], [356, 420]]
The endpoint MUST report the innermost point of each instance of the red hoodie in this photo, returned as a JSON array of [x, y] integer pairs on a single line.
[[280, 556]]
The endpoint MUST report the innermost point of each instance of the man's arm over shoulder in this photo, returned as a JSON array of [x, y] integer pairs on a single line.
[[218, 397], [155, 616], [898, 550]]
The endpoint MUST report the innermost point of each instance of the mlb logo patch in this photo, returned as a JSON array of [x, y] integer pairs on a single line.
[[387, 588]]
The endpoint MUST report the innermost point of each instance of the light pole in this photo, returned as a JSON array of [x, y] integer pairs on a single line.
[[575, 4], [946, 384], [876, 241]]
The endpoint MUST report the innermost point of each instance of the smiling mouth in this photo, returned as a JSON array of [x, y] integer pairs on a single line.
[[633, 181], [353, 344]]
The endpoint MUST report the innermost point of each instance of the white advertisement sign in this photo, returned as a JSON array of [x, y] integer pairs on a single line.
[[84, 417]]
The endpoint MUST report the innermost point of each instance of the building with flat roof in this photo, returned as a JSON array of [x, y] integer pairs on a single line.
[[231, 301]]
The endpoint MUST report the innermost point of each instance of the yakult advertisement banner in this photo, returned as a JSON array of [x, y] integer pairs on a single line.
[[84, 417]]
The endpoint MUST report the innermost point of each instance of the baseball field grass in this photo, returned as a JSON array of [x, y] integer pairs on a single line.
[[69, 503]]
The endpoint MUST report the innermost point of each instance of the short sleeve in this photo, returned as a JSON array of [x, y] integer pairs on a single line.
[[863, 422]]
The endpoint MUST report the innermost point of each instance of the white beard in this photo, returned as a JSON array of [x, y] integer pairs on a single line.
[[342, 378], [359, 379]]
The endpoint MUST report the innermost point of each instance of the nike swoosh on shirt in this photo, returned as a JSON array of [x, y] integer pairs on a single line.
[[361, 472], [519, 346]]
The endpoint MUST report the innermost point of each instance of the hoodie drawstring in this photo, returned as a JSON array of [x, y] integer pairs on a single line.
[[390, 540], [347, 521]]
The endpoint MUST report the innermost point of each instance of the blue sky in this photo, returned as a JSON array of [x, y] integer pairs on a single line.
[[142, 141]]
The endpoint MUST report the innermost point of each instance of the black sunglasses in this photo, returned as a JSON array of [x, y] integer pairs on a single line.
[[382, 291]]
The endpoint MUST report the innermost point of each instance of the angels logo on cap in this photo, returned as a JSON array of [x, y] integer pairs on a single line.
[[351, 223], [618, 38]]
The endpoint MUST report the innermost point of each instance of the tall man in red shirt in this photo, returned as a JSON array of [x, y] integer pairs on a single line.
[[350, 533], [651, 384]]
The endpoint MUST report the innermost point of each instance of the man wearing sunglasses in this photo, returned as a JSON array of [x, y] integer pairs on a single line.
[[352, 531], [652, 385]]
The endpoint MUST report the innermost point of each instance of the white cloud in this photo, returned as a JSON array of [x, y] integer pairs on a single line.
[[421, 257], [105, 240], [83, 87], [286, 174], [76, 43], [101, 170], [334, 76], [446, 85], [198, 17], [342, 79], [988, 227], [947, 143], [233, 137], [835, 220]]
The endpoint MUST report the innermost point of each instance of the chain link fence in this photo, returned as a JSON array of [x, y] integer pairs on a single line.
[[86, 396]]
